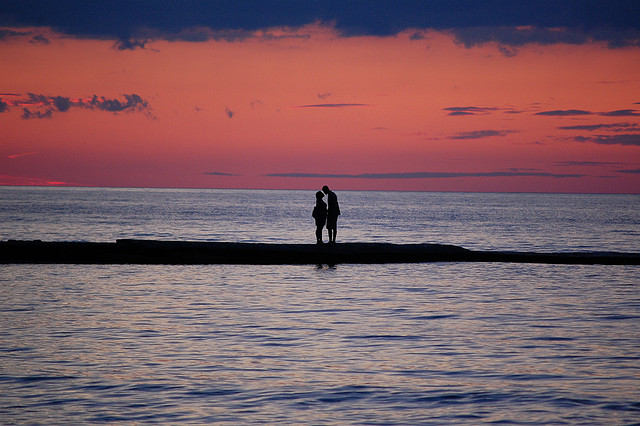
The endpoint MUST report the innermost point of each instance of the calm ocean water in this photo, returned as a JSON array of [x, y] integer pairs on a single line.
[[438, 343]]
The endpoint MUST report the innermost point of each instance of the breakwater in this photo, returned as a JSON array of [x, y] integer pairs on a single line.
[[190, 252]]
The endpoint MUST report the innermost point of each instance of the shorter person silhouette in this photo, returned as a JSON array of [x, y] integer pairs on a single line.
[[320, 215]]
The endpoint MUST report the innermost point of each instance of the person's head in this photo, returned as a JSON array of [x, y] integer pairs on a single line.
[[325, 189], [319, 195]]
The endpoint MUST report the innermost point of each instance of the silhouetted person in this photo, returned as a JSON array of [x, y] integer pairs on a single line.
[[333, 212], [320, 215]]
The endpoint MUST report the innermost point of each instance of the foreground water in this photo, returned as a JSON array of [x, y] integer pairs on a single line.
[[429, 343], [452, 343]]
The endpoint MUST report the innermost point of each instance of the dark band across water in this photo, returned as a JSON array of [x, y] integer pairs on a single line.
[[183, 252]]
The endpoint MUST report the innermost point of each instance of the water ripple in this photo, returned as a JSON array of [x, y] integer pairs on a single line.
[[227, 344]]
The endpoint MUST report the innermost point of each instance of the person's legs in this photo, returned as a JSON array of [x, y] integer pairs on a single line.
[[319, 233], [331, 228]]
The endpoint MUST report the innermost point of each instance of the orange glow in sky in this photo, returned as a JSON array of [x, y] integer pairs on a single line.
[[300, 108]]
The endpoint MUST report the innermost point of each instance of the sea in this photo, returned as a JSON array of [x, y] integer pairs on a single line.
[[387, 344]]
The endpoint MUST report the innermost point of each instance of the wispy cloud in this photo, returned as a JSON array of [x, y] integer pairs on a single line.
[[479, 134], [577, 112], [37, 38], [6, 34], [22, 154], [199, 34], [586, 163], [622, 113], [480, 110], [564, 112], [39, 106], [633, 171], [626, 139], [18, 180], [469, 110], [516, 36], [425, 175], [219, 174], [332, 105], [40, 39], [614, 127]]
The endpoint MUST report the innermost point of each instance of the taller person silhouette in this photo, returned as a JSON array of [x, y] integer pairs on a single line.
[[333, 211]]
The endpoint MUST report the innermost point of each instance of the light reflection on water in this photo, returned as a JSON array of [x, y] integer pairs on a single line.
[[427, 343]]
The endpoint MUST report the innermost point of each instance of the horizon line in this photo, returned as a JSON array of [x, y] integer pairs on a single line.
[[77, 186]]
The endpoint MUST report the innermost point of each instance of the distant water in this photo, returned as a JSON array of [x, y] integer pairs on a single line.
[[434, 343], [525, 222]]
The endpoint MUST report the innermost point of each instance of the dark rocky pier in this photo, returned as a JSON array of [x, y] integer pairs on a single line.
[[185, 252]]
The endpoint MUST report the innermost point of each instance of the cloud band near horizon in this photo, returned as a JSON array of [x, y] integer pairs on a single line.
[[423, 175]]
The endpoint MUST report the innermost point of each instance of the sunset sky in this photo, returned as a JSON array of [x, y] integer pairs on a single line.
[[398, 95]]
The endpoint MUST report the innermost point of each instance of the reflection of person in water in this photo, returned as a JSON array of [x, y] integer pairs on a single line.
[[320, 215], [333, 212]]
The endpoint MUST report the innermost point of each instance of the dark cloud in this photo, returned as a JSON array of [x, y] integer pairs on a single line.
[[507, 22], [37, 106], [564, 112], [626, 139], [614, 127], [61, 103], [324, 95], [332, 105], [130, 44], [634, 171], [132, 102], [509, 52], [27, 114], [424, 175], [622, 113], [479, 134]]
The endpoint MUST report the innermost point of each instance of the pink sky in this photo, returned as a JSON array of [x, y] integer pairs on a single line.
[[306, 107]]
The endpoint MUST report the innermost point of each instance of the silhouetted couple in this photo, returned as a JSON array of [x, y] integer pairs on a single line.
[[326, 214]]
